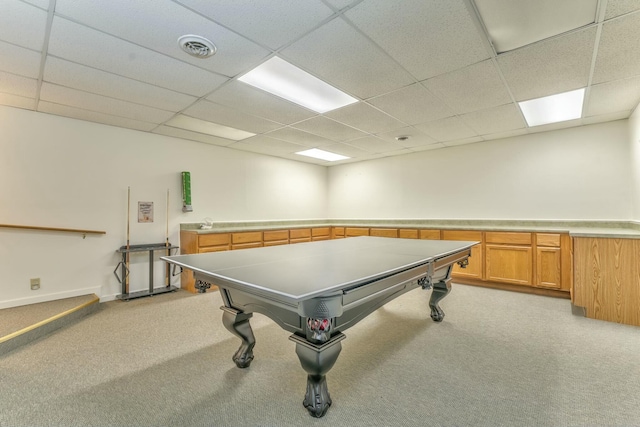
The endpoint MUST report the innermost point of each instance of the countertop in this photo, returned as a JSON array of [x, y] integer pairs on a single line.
[[576, 228]]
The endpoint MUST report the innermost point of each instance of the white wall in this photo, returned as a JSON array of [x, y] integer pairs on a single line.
[[66, 173], [577, 173], [634, 143]]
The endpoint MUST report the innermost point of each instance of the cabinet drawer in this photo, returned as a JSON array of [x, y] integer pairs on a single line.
[[321, 231], [508, 238], [405, 233], [430, 234], [300, 240], [219, 248], [299, 233], [246, 245], [213, 239], [353, 231], [246, 237], [384, 232], [276, 235], [545, 239], [338, 232], [462, 235]]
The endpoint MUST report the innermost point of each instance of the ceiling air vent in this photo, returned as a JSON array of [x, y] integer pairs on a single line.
[[197, 46]]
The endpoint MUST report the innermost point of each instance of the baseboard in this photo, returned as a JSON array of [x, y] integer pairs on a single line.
[[514, 288]]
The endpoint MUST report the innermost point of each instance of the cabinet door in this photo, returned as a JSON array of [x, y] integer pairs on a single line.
[[356, 231], [476, 261], [509, 264], [548, 268]]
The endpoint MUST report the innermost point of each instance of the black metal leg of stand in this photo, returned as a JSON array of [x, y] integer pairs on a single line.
[[440, 290], [317, 360], [151, 272], [237, 322], [124, 273]]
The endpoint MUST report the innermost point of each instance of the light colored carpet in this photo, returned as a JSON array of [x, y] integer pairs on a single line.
[[498, 359]]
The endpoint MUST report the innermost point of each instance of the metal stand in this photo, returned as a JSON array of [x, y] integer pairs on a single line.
[[151, 248]]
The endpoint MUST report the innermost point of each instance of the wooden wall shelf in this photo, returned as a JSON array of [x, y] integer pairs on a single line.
[[66, 230]]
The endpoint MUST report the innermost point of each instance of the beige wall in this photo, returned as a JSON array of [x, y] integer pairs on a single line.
[[634, 142], [67, 173], [577, 173]]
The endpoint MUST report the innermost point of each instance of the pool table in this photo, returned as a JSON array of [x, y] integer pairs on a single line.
[[317, 290]]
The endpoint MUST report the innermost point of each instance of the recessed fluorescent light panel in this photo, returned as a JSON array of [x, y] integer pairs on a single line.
[[287, 81], [202, 126], [552, 109], [322, 155]]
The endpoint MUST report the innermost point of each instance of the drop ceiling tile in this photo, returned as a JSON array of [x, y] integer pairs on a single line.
[[12, 84], [472, 88], [193, 136], [101, 104], [619, 50], [447, 129], [85, 46], [416, 137], [13, 16], [341, 4], [429, 147], [465, 141], [164, 22], [259, 103], [621, 115], [412, 104], [427, 38], [226, 116], [342, 57], [507, 134], [44, 4], [323, 126], [551, 66], [347, 150], [271, 23], [17, 101], [620, 7], [375, 145], [299, 137], [18, 60], [366, 118], [612, 97], [264, 144], [513, 24], [89, 79], [92, 116], [493, 120]]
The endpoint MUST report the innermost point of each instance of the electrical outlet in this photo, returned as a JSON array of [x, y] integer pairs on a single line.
[[35, 284]]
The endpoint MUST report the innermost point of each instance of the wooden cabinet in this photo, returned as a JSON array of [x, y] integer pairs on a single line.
[[509, 258], [476, 261], [384, 232], [356, 231], [337, 232], [247, 239], [193, 243], [299, 235], [548, 261], [275, 237], [607, 278], [430, 234], [408, 233], [320, 233]]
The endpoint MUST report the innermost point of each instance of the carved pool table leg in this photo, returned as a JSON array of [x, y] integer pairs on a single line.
[[317, 360], [440, 290], [237, 322]]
